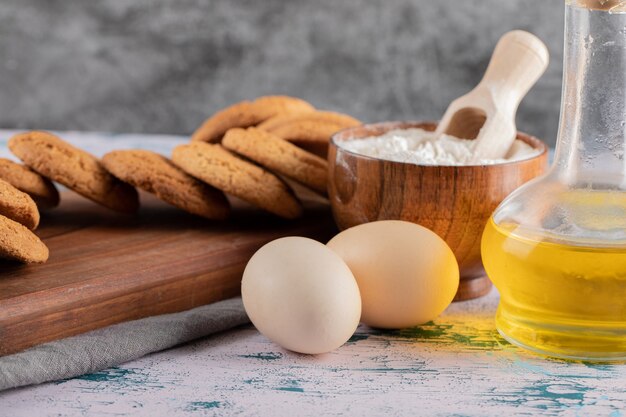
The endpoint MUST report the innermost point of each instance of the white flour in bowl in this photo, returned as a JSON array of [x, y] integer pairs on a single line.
[[418, 146]]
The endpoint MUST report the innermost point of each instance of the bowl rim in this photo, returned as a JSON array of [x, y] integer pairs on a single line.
[[387, 126]]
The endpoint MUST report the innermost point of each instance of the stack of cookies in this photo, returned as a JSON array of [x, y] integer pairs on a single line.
[[19, 213], [47, 158], [244, 150]]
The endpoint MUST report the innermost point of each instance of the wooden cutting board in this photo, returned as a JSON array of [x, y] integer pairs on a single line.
[[106, 268]]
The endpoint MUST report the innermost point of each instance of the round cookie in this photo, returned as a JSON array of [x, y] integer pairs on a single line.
[[220, 168], [18, 206], [248, 113], [279, 156], [157, 175], [311, 135], [20, 244], [41, 189], [76, 169], [320, 116]]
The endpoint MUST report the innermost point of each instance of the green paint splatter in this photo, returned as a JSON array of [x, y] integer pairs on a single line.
[[267, 356], [463, 333], [474, 338], [202, 405], [600, 366], [429, 331], [485, 340]]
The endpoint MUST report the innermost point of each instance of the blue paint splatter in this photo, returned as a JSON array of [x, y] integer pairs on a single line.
[[107, 375], [252, 381], [416, 370], [542, 395], [536, 367], [116, 380], [203, 405], [543, 391], [526, 366], [291, 386], [113, 374], [290, 389], [266, 356]]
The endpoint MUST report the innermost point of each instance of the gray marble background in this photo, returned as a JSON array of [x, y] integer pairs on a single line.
[[162, 66]]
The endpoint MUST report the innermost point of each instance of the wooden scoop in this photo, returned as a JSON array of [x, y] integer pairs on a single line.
[[487, 113]]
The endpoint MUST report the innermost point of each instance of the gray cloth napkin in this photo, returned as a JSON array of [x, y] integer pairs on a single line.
[[113, 345]]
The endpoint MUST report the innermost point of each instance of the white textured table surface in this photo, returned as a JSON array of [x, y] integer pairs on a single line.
[[458, 365]]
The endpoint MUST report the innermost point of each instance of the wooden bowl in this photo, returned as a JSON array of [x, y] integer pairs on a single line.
[[453, 201]]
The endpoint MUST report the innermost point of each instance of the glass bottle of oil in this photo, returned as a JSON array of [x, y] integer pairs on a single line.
[[556, 248]]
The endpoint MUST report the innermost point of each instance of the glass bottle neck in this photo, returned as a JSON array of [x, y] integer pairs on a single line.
[[591, 145]]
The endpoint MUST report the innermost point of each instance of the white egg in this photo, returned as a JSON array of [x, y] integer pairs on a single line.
[[407, 275], [301, 295]]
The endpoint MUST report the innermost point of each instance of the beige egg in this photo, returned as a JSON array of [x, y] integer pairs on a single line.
[[301, 295], [407, 275]]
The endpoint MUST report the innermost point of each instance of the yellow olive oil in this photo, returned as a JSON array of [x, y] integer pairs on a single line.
[[558, 299]]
